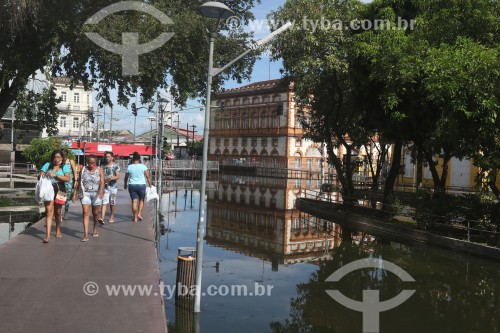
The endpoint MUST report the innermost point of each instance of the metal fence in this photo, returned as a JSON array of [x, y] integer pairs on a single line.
[[463, 228]]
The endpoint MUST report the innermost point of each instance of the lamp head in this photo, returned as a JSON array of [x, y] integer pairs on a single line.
[[214, 9], [162, 100]]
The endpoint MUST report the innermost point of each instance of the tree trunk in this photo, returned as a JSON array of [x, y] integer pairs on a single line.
[[444, 175], [439, 182], [348, 170], [6, 99], [393, 174], [347, 187], [420, 162], [493, 186], [439, 188], [382, 154]]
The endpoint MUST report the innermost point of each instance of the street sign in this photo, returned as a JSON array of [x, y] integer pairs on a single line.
[[104, 148]]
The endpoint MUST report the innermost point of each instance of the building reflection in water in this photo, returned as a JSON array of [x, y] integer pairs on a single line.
[[256, 216]]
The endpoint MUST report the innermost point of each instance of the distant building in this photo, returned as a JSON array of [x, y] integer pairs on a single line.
[[75, 110], [260, 125], [180, 139], [118, 136]]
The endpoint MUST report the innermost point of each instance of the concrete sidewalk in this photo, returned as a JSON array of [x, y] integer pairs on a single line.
[[42, 285]]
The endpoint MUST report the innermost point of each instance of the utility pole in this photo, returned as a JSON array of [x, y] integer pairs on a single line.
[[192, 144], [97, 115], [111, 126], [135, 121], [160, 143], [187, 140], [177, 130], [104, 121]]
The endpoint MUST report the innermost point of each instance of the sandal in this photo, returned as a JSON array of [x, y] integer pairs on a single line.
[[101, 221], [84, 239], [45, 240], [111, 221]]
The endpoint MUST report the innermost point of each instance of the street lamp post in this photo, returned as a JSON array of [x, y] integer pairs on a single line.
[[13, 150], [220, 12], [192, 143], [178, 122], [161, 106], [151, 119]]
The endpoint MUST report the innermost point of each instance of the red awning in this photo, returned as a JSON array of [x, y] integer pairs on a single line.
[[118, 149]]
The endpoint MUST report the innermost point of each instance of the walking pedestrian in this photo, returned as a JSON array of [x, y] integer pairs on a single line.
[[91, 192], [59, 173], [71, 184], [135, 179], [111, 176]]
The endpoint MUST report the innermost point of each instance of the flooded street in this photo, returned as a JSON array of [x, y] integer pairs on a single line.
[[284, 258]]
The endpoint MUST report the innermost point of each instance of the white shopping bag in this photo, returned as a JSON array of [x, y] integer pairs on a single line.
[[44, 190], [151, 194]]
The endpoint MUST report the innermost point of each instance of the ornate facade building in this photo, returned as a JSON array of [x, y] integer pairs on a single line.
[[259, 126]]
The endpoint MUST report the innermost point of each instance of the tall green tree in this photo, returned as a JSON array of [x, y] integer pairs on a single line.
[[314, 58], [50, 36], [437, 87]]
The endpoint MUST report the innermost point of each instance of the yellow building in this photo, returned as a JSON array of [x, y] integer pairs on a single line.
[[462, 174]]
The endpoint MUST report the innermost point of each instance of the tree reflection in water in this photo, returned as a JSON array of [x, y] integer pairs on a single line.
[[454, 293]]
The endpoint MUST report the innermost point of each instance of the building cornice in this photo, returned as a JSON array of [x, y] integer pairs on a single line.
[[65, 80], [262, 87]]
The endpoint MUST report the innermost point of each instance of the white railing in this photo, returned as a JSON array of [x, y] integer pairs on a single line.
[[189, 165], [195, 184]]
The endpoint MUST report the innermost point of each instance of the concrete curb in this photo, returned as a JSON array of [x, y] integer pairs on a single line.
[[377, 227]]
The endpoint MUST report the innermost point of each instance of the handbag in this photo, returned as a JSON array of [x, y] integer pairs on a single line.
[[61, 195], [151, 194], [44, 190]]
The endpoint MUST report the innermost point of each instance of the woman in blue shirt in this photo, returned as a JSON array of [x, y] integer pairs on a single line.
[[59, 174], [135, 179]]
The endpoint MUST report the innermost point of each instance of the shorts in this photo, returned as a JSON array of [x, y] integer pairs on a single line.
[[91, 198], [137, 191], [110, 196]]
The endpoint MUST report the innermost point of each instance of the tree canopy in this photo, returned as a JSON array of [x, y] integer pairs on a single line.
[[432, 83], [39, 151], [49, 36]]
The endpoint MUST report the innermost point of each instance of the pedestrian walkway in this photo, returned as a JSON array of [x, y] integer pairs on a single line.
[[43, 286]]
